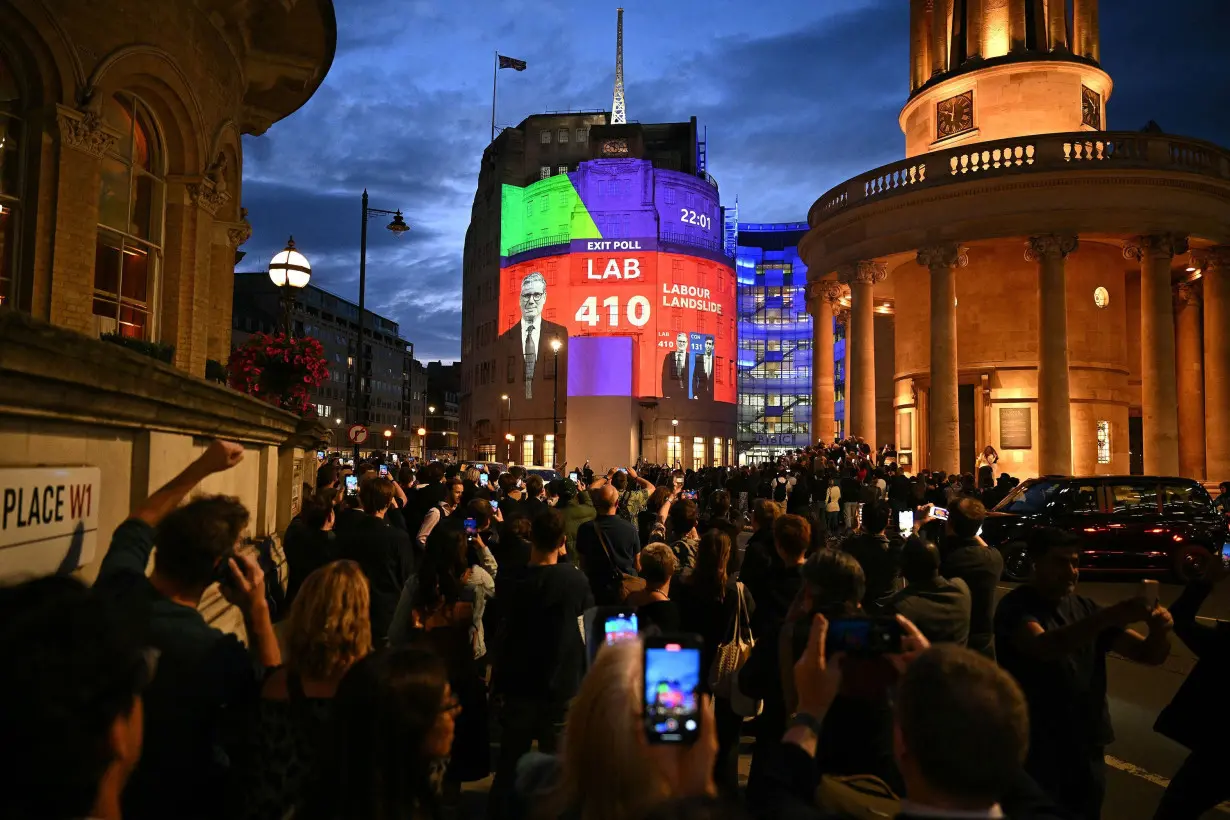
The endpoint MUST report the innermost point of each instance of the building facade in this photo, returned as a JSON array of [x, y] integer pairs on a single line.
[[1060, 291], [614, 235], [390, 400], [444, 411]]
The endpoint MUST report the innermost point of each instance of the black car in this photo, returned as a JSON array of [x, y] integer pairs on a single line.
[[1128, 524]]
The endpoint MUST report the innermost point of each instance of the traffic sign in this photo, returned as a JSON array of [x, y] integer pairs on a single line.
[[357, 434]]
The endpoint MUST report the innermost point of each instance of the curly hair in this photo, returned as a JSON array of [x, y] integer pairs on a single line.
[[193, 538], [329, 626]]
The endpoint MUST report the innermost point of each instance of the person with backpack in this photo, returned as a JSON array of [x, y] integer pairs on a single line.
[[607, 547]]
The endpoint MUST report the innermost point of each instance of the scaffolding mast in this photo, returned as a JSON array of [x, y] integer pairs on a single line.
[[618, 115]]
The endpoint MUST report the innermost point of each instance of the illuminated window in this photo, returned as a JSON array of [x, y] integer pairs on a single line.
[[672, 450], [698, 452], [582, 135], [563, 169], [548, 446], [543, 173], [10, 205], [717, 452], [527, 450], [1103, 442], [131, 201], [545, 137]]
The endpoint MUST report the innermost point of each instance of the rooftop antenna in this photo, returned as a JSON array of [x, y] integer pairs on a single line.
[[618, 116]]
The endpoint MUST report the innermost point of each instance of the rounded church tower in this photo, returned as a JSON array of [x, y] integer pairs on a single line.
[[995, 69]]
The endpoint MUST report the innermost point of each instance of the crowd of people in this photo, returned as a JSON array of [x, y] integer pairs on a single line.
[[430, 613]]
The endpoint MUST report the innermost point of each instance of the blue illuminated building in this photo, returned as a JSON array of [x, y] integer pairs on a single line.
[[775, 343]]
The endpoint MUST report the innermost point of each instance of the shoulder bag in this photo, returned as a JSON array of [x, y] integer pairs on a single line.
[[620, 584], [732, 655]]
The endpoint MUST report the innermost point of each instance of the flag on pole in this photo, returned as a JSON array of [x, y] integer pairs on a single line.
[[511, 62]]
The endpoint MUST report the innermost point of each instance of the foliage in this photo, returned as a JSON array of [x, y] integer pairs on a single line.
[[215, 371], [280, 370], [155, 350]]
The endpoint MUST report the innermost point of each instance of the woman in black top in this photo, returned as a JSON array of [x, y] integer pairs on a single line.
[[707, 600], [309, 543]]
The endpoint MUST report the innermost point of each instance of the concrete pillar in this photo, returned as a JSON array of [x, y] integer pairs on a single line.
[[1054, 391], [1085, 38], [1057, 24], [1189, 364], [861, 377], [1214, 264], [1159, 389], [821, 299], [842, 316], [940, 40], [944, 435], [973, 29], [1016, 24], [920, 43]]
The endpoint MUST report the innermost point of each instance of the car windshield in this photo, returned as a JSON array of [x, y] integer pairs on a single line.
[[1030, 497]]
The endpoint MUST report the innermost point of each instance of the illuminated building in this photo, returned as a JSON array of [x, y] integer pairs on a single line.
[[1047, 277]]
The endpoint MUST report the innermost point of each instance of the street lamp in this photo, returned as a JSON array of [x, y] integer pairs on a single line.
[[388, 435], [673, 442], [504, 397], [289, 270], [508, 438], [556, 344], [422, 431], [398, 227]]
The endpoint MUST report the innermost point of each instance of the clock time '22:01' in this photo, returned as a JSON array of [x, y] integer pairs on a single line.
[[692, 218]]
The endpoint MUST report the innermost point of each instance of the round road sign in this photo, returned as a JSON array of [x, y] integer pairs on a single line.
[[357, 434]]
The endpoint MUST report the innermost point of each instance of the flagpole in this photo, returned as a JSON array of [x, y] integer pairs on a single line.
[[495, 75]]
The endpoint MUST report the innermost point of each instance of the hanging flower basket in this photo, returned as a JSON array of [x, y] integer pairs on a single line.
[[279, 370]]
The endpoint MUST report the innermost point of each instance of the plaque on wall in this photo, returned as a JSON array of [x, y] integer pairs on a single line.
[[1015, 428]]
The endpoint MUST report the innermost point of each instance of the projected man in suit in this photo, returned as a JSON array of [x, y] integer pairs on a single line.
[[529, 341], [675, 369], [702, 373]]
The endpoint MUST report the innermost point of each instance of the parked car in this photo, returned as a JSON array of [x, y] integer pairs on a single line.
[[1127, 524]]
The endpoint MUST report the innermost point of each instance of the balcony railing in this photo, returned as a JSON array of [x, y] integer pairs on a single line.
[[544, 242], [674, 238], [1041, 153]]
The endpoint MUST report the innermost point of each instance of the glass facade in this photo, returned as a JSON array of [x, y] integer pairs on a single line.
[[775, 346]]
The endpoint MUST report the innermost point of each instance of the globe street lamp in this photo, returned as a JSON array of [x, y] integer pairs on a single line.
[[397, 227], [508, 438], [388, 436], [289, 271], [508, 411], [556, 344], [422, 431]]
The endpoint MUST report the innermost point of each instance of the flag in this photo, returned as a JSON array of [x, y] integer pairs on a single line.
[[512, 62]]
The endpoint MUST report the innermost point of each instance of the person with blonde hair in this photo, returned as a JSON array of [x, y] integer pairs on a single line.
[[607, 769], [328, 630]]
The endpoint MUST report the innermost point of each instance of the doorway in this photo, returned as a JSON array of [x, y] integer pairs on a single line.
[[1136, 445], [967, 438]]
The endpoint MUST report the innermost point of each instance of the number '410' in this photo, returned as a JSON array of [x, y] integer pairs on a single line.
[[636, 311]]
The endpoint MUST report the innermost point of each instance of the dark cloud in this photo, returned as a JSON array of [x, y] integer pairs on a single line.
[[797, 96]]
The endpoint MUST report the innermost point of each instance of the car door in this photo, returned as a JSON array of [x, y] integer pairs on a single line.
[[1137, 539], [1076, 508]]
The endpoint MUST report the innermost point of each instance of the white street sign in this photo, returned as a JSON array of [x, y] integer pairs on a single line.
[[48, 519]]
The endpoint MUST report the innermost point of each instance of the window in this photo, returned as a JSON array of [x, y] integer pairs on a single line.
[[563, 135], [527, 450], [1103, 442], [563, 169], [582, 135], [10, 180], [548, 451], [1185, 498], [672, 450], [543, 173], [1133, 498], [717, 452], [128, 250], [1030, 497], [698, 452], [1077, 498], [544, 136]]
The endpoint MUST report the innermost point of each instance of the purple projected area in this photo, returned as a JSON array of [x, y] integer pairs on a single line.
[[613, 378], [610, 205]]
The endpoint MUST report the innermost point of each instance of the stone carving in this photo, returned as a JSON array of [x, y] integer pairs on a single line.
[[842, 316], [945, 255], [1216, 258], [241, 231], [206, 196], [1164, 245], [1050, 246], [83, 130], [827, 290], [863, 273], [216, 172], [1187, 294]]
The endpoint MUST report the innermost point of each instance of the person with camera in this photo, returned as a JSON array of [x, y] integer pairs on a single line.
[[202, 672], [383, 551], [1055, 642], [966, 556]]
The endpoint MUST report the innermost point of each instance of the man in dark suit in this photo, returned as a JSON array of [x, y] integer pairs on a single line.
[[528, 344], [675, 370], [702, 373]]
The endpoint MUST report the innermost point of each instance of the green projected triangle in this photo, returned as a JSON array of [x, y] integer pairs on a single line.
[[548, 209]]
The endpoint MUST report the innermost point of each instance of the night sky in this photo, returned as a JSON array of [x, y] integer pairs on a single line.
[[798, 95]]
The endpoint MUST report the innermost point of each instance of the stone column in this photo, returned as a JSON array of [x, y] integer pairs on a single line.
[[940, 41], [821, 298], [1189, 364], [842, 315], [1159, 390], [860, 340], [944, 435], [1085, 38], [1054, 392], [1214, 264]]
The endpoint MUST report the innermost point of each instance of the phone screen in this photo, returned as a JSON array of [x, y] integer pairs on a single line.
[[320, 453], [672, 675], [352, 484], [905, 521], [495, 505], [573, 475], [939, 513], [482, 479], [471, 526], [384, 470], [617, 627]]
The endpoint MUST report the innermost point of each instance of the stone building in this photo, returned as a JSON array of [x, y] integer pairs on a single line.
[[1059, 291], [120, 195]]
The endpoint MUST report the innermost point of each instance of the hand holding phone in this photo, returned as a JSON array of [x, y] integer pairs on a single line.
[[384, 470], [672, 678], [573, 476], [939, 513], [1148, 593], [352, 485], [471, 527]]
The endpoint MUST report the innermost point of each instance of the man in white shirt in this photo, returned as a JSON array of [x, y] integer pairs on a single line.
[[702, 376], [531, 337], [675, 369]]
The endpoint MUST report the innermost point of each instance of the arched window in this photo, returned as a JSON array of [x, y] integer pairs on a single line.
[[131, 203], [10, 181]]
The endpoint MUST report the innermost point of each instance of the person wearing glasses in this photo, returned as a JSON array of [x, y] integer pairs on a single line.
[[529, 341]]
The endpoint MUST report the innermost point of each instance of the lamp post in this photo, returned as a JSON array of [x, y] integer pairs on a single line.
[[508, 439], [289, 271], [673, 439], [398, 227], [388, 435], [556, 344], [428, 411], [422, 431]]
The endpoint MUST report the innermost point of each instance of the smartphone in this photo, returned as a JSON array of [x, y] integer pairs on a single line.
[[864, 636], [672, 676], [471, 526], [688, 494], [483, 479], [495, 505], [1148, 592], [607, 625], [678, 480], [573, 476], [939, 513], [905, 521], [320, 453], [352, 485], [384, 470], [1225, 554]]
